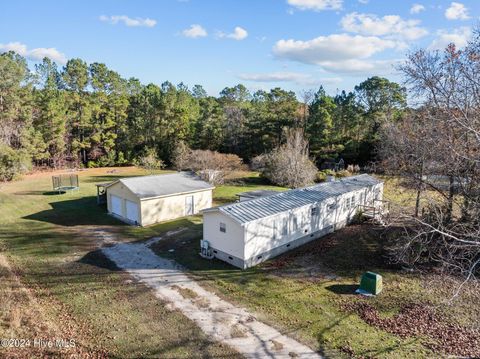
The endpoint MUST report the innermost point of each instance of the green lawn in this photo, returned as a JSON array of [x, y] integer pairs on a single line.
[[306, 292], [50, 242], [73, 291]]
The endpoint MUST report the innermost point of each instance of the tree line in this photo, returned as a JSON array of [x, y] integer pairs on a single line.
[[88, 115]]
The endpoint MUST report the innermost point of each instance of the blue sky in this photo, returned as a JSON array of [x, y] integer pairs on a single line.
[[295, 44]]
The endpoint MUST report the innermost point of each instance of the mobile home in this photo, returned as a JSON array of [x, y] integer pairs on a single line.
[[249, 232]]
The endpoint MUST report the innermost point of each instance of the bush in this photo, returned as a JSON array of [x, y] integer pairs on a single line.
[[258, 163], [213, 166], [288, 165], [13, 163], [150, 161], [343, 173], [353, 168], [181, 156]]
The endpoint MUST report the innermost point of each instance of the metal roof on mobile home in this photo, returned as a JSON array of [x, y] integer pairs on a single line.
[[248, 211]]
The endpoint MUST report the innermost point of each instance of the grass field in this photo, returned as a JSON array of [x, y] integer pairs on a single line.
[[57, 284], [60, 286]]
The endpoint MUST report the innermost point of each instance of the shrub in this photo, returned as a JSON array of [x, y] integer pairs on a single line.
[[288, 165], [181, 156], [353, 168], [213, 166], [13, 163], [150, 161], [258, 163], [343, 173]]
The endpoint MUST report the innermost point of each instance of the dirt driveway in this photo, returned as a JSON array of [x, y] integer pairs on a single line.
[[218, 318]]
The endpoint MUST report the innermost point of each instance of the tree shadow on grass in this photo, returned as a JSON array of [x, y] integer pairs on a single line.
[[39, 193], [75, 212], [98, 259]]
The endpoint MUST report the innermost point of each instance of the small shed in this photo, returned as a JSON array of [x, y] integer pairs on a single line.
[[151, 199], [246, 196], [249, 232]]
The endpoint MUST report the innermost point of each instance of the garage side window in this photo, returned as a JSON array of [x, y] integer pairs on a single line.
[[223, 227]]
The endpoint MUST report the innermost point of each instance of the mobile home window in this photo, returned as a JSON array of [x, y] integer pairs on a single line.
[[285, 227], [294, 224], [223, 227]]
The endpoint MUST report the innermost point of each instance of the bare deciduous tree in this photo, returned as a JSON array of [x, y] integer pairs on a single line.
[[181, 156], [438, 146], [211, 166], [289, 165]]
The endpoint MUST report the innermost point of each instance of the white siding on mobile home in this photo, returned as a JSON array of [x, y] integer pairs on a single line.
[[262, 228]]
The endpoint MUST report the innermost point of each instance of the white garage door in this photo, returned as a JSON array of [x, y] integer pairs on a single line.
[[116, 205], [132, 211]]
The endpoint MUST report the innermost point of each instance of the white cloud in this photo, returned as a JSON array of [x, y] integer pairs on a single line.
[[458, 36], [195, 31], [417, 9], [457, 11], [238, 33], [339, 53], [36, 54], [354, 67], [316, 5], [389, 25], [128, 21], [336, 47], [295, 77]]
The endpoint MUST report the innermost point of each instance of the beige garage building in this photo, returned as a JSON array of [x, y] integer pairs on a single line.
[[151, 199]]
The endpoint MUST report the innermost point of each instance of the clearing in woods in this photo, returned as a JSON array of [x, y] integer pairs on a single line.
[[57, 283]]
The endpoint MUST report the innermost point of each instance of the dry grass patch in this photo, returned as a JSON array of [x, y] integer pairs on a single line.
[[238, 332], [277, 345], [186, 293]]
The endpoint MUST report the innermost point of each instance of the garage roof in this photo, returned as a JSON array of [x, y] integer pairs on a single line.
[[164, 185], [248, 211]]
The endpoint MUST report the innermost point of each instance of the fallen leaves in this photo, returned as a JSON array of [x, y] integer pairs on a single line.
[[422, 320]]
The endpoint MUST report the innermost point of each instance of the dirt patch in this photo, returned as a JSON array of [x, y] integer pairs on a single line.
[[237, 332], [277, 345], [422, 320], [186, 293]]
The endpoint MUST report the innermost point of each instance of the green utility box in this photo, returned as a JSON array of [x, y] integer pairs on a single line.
[[371, 283]]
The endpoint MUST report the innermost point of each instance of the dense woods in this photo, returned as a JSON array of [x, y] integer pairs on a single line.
[[88, 115]]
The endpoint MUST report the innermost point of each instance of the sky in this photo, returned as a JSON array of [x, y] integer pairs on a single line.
[[294, 44]]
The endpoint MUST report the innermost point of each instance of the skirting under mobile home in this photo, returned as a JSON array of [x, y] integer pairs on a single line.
[[249, 232], [148, 200]]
